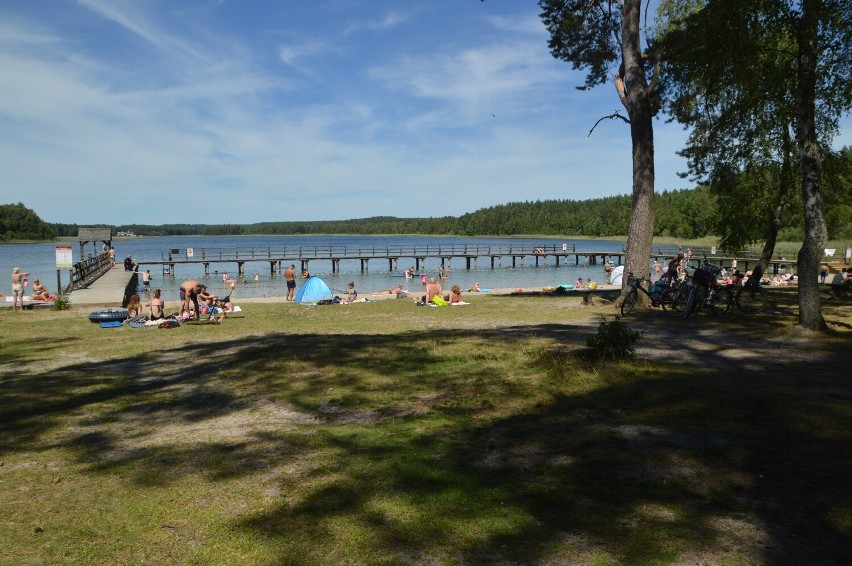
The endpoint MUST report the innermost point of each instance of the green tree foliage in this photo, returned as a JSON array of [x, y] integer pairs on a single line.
[[837, 184], [751, 77], [604, 38], [17, 222]]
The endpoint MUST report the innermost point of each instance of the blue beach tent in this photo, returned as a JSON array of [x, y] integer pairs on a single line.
[[313, 290]]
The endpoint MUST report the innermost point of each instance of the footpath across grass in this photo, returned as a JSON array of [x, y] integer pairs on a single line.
[[385, 433]]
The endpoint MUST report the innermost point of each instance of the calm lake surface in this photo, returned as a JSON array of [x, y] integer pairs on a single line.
[[40, 261]]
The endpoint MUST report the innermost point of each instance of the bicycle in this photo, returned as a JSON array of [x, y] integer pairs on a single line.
[[749, 298], [661, 297], [705, 291]]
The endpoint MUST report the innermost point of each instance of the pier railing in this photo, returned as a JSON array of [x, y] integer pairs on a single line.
[[417, 251], [86, 271], [364, 252]]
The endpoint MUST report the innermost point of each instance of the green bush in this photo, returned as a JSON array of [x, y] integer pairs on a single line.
[[614, 340], [62, 302]]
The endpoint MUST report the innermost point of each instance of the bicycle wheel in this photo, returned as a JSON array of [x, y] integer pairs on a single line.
[[751, 300], [691, 298], [629, 302], [677, 301], [720, 300]]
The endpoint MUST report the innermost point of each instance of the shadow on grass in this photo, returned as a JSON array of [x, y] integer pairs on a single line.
[[647, 464]]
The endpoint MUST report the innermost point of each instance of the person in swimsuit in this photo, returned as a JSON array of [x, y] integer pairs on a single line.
[[433, 289], [134, 306], [157, 306], [189, 292], [290, 276], [40, 291], [18, 287], [146, 280], [674, 267]]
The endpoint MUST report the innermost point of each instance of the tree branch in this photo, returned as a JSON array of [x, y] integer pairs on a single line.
[[655, 78], [619, 86], [612, 116]]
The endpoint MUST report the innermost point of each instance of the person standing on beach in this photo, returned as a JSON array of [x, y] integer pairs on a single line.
[[674, 268], [607, 270], [290, 277], [18, 288], [189, 292]]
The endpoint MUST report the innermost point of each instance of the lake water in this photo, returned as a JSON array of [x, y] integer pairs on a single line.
[[40, 260]]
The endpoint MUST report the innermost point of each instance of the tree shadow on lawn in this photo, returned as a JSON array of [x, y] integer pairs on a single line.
[[644, 468]]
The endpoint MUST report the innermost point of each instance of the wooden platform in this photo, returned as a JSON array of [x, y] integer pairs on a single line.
[[107, 291]]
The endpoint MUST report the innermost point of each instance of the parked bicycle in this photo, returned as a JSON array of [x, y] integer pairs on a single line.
[[749, 298], [661, 295], [705, 291]]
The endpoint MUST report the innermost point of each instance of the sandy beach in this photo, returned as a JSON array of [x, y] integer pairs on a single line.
[[381, 296]]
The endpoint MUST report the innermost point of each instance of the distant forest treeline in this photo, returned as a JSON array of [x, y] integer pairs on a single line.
[[686, 214]]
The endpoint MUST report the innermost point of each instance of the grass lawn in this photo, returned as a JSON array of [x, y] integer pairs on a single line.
[[385, 433]]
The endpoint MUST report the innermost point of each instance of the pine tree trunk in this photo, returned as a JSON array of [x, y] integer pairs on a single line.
[[816, 234], [638, 105]]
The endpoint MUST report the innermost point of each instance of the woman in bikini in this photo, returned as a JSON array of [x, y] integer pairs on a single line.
[[157, 306]]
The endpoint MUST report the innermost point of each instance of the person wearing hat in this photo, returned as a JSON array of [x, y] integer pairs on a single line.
[[18, 287], [40, 291]]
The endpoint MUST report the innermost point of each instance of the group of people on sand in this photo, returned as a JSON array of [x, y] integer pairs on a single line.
[[435, 294], [195, 294], [19, 284], [589, 284]]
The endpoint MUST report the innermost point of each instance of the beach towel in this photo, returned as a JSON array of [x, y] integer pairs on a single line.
[[439, 301]]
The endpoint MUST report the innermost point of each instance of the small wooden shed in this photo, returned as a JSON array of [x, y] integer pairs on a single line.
[[94, 235]]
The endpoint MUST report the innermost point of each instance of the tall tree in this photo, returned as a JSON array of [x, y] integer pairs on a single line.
[[744, 75], [604, 37]]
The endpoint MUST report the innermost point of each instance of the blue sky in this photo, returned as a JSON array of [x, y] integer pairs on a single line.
[[227, 111]]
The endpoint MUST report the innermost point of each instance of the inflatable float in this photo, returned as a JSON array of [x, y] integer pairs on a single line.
[[108, 315]]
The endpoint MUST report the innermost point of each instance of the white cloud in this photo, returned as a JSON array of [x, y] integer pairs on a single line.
[[132, 16], [293, 55], [388, 21], [202, 124]]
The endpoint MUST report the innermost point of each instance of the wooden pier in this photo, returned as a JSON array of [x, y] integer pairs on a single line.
[[112, 289], [277, 258]]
